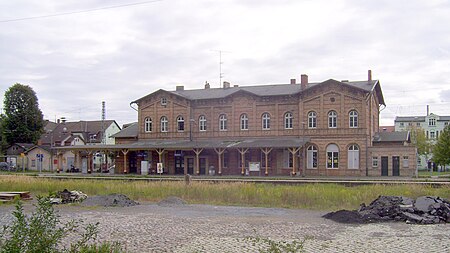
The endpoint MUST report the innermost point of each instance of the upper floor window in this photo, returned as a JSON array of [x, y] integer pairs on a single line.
[[402, 124], [223, 122], [202, 123], [312, 120], [164, 124], [432, 122], [164, 101], [180, 123], [266, 121], [332, 119], [418, 124], [244, 122], [353, 117], [432, 135], [288, 120], [148, 124]]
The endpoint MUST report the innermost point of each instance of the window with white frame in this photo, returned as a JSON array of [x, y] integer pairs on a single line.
[[432, 122], [202, 123], [312, 120], [244, 122], [164, 124], [353, 118], [180, 123], [311, 157], [418, 124], [266, 121], [223, 122], [332, 156], [288, 120], [432, 135], [353, 157], [164, 101], [402, 124], [405, 161], [374, 161], [148, 125], [332, 119]]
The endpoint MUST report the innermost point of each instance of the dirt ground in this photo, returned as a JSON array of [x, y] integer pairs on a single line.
[[153, 227]]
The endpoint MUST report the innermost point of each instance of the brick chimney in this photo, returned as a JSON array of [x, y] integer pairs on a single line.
[[179, 87], [293, 81], [369, 75], [207, 86], [304, 81], [226, 85]]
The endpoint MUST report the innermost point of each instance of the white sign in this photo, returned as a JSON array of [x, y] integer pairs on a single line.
[[144, 167], [159, 168], [253, 166]]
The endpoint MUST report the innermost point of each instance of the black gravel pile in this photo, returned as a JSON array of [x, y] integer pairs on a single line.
[[423, 210], [118, 200]]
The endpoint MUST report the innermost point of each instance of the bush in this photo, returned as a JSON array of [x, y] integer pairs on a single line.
[[43, 232]]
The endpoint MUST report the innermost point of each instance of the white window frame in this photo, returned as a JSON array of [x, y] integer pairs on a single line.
[[375, 161], [223, 122], [431, 122], [148, 124], [265, 118], [288, 119], [163, 101], [202, 123], [180, 124], [353, 119], [164, 124], [353, 157], [312, 119], [332, 155], [405, 161], [332, 119], [311, 157], [244, 122]]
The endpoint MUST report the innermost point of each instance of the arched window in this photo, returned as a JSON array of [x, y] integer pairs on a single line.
[[244, 122], [202, 123], [180, 123], [288, 120], [332, 119], [223, 122], [164, 124], [148, 125], [266, 121], [312, 120], [353, 119], [353, 157], [332, 156], [311, 157]]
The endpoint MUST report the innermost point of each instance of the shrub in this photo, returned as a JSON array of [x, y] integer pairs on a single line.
[[43, 232]]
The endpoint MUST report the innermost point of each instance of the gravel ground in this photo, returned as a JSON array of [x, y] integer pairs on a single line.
[[150, 227]]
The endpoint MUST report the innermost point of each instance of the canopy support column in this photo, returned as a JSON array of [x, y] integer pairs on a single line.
[[242, 151], [293, 152], [219, 152], [266, 152], [197, 152], [125, 152]]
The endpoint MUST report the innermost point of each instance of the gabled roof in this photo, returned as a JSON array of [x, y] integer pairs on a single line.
[[44, 147], [130, 131], [267, 90], [419, 118], [391, 136]]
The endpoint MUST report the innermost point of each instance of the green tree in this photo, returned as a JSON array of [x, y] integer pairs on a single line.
[[3, 143], [419, 139], [441, 151], [23, 120]]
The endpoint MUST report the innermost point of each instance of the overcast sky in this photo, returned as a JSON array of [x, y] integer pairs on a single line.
[[75, 61]]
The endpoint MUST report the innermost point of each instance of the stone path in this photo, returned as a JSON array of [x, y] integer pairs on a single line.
[[203, 228]]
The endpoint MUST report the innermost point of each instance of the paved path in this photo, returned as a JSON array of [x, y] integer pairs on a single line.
[[203, 228]]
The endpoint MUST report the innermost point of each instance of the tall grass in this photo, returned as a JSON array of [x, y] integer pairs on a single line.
[[309, 196]]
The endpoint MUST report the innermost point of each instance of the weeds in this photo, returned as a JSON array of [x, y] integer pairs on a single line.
[[267, 245], [43, 231]]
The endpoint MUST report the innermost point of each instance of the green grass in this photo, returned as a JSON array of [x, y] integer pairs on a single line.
[[308, 196], [426, 174]]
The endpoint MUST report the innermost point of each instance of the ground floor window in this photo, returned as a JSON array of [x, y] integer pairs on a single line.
[[311, 157], [374, 161], [405, 161], [332, 156], [288, 162]]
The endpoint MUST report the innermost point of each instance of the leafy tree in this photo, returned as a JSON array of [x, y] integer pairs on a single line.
[[23, 120], [441, 151], [419, 139]]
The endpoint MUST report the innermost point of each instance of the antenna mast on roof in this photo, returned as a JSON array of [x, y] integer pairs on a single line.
[[220, 66], [103, 121]]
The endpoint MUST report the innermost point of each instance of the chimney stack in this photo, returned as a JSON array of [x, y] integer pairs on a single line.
[[226, 85], [293, 81], [179, 87], [304, 81], [369, 75], [207, 86], [58, 121], [428, 110]]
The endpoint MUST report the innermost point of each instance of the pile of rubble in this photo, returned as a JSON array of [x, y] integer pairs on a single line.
[[66, 196], [172, 201], [118, 200], [423, 210]]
